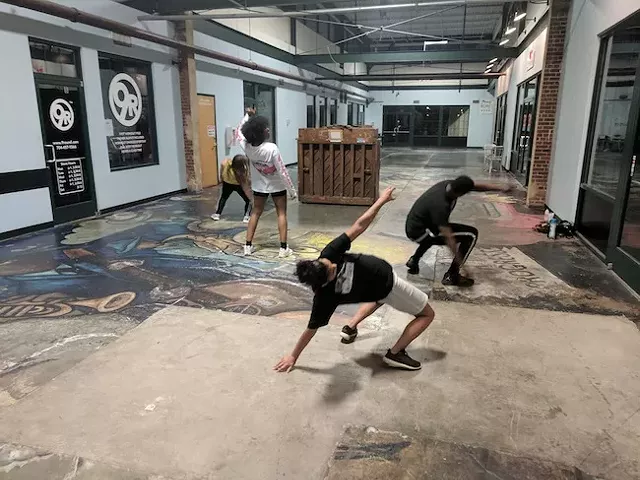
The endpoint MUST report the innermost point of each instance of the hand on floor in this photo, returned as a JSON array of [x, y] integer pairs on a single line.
[[285, 364]]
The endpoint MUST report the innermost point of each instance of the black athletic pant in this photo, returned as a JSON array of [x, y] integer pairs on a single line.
[[465, 236], [227, 190]]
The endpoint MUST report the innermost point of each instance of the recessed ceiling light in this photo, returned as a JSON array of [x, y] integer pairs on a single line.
[[519, 16], [504, 42], [510, 30]]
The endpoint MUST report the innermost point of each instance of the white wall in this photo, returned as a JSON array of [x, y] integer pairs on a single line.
[[578, 77], [20, 136], [24, 209], [480, 125], [519, 70], [125, 186], [291, 113]]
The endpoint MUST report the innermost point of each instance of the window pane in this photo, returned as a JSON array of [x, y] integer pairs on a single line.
[[128, 106], [311, 111], [349, 113], [334, 112], [53, 59], [426, 120], [455, 121], [263, 99], [323, 111], [613, 116], [630, 240]]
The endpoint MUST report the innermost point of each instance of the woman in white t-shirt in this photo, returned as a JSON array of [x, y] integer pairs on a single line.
[[269, 176]]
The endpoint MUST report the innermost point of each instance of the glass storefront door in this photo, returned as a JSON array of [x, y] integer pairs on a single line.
[[426, 126], [396, 128], [523, 134], [609, 202]]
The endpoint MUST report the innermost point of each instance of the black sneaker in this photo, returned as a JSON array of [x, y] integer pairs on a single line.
[[459, 281], [348, 334], [401, 360], [413, 266]]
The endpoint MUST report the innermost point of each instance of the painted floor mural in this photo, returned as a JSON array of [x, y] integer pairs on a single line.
[[123, 267]]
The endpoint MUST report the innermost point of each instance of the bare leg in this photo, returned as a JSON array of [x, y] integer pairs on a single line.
[[258, 208], [281, 210], [414, 329], [363, 312]]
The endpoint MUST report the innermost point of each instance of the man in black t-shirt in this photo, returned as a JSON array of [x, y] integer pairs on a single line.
[[428, 224], [338, 277]]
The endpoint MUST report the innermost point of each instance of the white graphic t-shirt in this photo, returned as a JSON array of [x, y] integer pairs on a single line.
[[268, 171]]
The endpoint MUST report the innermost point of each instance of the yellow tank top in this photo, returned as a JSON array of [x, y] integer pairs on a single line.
[[228, 175]]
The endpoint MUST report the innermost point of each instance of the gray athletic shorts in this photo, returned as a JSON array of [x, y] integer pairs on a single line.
[[405, 297]]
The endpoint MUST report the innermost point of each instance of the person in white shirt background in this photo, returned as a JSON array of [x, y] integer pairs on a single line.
[[269, 177]]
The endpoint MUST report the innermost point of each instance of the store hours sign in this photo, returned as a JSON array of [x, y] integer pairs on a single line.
[[128, 105]]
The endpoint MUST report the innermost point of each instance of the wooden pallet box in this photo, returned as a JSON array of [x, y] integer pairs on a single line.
[[338, 165]]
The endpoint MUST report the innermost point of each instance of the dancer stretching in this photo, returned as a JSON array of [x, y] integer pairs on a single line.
[[338, 277], [428, 224], [269, 176], [235, 178]]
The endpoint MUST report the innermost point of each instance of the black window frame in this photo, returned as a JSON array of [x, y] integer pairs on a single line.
[[152, 110], [273, 131]]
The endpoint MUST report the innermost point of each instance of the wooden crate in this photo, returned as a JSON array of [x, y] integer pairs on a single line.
[[338, 165]]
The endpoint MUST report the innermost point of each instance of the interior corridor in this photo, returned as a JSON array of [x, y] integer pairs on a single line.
[[141, 343]]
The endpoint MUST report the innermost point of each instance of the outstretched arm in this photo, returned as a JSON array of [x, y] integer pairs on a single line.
[[288, 361], [365, 220], [490, 187], [249, 112]]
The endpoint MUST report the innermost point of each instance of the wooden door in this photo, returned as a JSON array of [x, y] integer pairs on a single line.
[[208, 140]]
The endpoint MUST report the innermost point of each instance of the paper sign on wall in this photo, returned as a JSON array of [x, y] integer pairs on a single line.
[[486, 107], [211, 131], [531, 59]]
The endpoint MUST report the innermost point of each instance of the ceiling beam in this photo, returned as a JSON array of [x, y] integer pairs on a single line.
[[414, 76], [426, 87], [177, 6], [435, 56]]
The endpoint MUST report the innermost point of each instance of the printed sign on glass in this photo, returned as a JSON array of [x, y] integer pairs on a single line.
[[128, 105]]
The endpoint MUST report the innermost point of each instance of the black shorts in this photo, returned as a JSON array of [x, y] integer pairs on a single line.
[[281, 193]]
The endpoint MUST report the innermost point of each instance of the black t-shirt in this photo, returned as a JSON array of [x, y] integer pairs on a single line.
[[430, 211], [360, 278]]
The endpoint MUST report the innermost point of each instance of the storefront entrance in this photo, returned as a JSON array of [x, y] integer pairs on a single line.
[[426, 126], [64, 131], [525, 127], [609, 201]]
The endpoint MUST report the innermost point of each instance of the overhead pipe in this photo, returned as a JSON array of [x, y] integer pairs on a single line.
[[78, 16], [321, 11], [421, 76]]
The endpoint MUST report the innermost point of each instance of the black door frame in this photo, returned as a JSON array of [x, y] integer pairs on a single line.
[[624, 264], [518, 125], [627, 267], [84, 209]]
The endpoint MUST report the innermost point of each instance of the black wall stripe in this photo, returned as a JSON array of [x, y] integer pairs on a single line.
[[25, 180]]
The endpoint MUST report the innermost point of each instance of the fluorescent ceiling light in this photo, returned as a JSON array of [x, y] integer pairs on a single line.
[[436, 42], [519, 16], [504, 42], [493, 60], [510, 30]]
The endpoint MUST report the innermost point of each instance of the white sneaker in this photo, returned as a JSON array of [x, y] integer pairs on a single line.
[[216, 216], [248, 250], [246, 219], [285, 252]]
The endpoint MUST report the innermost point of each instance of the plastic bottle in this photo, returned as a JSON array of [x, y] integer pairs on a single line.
[[553, 223], [547, 215]]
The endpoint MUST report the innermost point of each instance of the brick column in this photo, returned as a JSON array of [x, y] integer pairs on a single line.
[[189, 101], [548, 103]]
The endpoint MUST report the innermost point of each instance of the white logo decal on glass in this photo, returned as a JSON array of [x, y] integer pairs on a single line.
[[125, 99], [61, 114]]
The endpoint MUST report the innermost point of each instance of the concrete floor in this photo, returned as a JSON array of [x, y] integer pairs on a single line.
[[133, 346]]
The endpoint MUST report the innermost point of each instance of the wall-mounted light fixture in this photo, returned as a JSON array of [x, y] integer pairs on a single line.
[[504, 42], [519, 16], [510, 30]]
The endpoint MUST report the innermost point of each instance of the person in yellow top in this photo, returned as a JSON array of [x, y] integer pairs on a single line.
[[235, 178]]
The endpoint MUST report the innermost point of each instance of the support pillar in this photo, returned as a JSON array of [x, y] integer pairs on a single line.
[[189, 101], [548, 97]]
